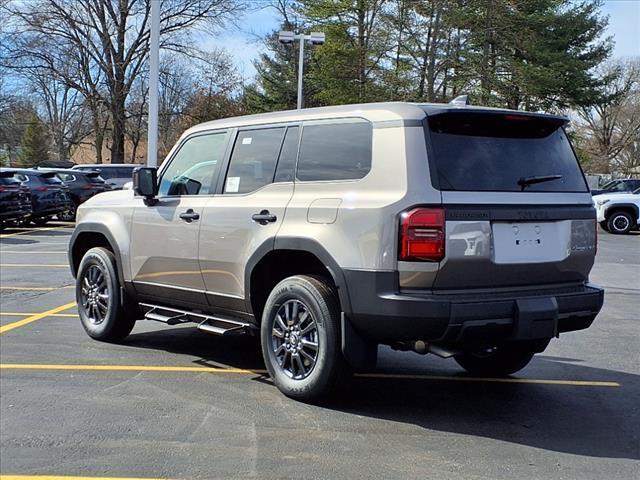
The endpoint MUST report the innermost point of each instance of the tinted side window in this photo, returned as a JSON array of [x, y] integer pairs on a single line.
[[253, 161], [336, 151], [287, 162], [124, 172], [194, 167]]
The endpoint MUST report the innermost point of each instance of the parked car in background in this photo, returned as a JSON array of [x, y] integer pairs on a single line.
[[115, 174], [49, 195], [15, 200], [626, 185], [618, 212], [82, 186]]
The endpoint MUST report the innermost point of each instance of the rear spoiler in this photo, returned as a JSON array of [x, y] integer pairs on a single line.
[[91, 173], [7, 174], [48, 174], [494, 123]]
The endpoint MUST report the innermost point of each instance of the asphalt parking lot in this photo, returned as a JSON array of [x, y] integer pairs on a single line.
[[176, 403]]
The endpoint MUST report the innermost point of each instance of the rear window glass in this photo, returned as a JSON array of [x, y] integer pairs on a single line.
[[67, 177], [335, 151], [9, 181], [51, 180], [490, 152]]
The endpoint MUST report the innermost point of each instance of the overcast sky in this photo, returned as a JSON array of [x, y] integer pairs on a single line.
[[244, 42]]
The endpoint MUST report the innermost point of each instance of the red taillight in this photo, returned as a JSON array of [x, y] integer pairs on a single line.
[[88, 186], [422, 235]]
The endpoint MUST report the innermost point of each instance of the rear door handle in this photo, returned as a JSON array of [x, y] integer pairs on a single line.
[[263, 217], [189, 216]]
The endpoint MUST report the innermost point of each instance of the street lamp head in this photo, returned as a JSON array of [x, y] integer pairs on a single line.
[[286, 37], [317, 38]]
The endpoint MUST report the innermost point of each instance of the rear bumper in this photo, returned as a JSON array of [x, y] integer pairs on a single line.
[[381, 314]]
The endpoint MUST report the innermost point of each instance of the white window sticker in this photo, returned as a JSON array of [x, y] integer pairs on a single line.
[[233, 184], [246, 140]]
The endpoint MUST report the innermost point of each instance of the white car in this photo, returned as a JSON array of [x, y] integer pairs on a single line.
[[618, 212]]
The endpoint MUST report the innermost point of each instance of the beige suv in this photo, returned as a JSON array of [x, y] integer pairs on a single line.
[[462, 231]]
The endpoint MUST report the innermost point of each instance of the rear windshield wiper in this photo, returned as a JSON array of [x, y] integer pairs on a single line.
[[524, 182]]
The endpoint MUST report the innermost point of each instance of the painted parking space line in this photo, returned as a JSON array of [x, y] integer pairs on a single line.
[[23, 288], [36, 317], [34, 230], [43, 265], [60, 252], [159, 368], [127, 368], [25, 314], [67, 477]]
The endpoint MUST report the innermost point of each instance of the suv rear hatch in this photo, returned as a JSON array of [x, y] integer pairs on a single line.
[[517, 207]]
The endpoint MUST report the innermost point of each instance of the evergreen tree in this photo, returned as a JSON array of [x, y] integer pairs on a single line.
[[533, 54], [34, 148]]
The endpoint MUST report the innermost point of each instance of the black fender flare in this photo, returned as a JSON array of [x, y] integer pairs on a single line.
[[304, 245], [92, 227], [616, 206]]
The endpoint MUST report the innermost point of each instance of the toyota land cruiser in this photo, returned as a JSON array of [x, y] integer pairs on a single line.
[[466, 232]]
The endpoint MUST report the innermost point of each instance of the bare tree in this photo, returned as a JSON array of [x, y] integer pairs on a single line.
[[612, 124], [109, 40]]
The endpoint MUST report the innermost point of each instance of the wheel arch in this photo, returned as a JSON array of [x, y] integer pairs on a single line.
[[90, 235], [631, 208], [307, 256]]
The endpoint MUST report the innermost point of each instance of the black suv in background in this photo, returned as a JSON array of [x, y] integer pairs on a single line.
[[82, 186], [115, 174], [15, 200], [49, 195]]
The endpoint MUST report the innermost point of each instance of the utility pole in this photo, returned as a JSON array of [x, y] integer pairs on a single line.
[[316, 38], [154, 62]]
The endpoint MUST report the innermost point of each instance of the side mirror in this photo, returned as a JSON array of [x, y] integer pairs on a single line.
[[145, 182]]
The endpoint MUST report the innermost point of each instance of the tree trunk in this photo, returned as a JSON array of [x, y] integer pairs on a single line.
[[433, 54], [485, 84]]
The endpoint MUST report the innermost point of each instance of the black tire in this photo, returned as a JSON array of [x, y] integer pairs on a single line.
[[68, 215], [301, 378], [102, 318], [499, 362], [40, 221], [620, 222], [604, 225]]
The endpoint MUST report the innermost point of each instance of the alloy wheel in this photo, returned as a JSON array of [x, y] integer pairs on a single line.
[[620, 223], [294, 339], [95, 294]]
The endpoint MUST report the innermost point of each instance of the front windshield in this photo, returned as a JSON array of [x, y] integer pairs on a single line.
[[618, 187]]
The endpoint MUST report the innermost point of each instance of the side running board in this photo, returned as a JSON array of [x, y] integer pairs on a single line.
[[207, 323]]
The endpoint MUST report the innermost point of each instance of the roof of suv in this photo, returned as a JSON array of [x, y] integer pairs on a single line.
[[378, 112], [105, 165]]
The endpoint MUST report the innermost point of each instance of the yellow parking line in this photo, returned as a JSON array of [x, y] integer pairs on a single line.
[[66, 477], [57, 265], [25, 314], [35, 289], [126, 368], [33, 318], [30, 252], [157, 368], [576, 383], [33, 230]]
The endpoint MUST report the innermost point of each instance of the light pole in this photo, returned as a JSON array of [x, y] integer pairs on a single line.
[[316, 38], [154, 61]]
